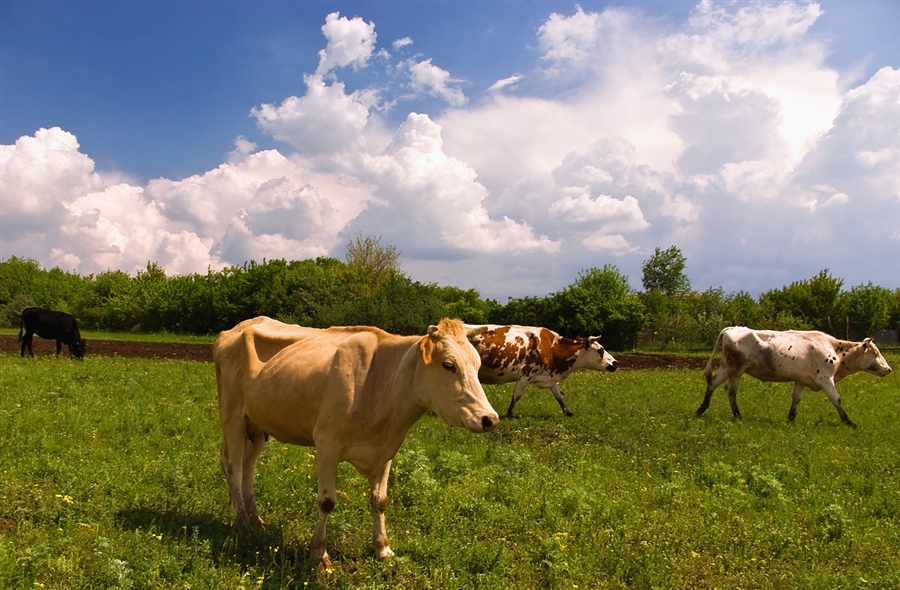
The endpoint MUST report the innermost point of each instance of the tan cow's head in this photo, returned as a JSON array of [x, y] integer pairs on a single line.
[[871, 360], [451, 388]]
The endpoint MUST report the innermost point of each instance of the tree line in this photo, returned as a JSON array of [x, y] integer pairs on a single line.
[[370, 288]]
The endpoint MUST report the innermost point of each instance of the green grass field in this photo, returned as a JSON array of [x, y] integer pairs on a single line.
[[109, 478]]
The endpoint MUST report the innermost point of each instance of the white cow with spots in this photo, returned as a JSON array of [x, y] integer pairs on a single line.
[[808, 359]]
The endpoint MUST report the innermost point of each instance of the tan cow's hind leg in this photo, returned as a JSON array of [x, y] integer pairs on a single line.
[[253, 448], [378, 488], [326, 474], [234, 436]]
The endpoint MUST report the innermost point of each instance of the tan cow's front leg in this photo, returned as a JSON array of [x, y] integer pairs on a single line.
[[326, 474], [378, 482]]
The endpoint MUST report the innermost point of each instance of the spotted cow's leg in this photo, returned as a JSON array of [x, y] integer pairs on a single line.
[[561, 398], [795, 399], [830, 390], [732, 388], [521, 384], [378, 482], [712, 383]]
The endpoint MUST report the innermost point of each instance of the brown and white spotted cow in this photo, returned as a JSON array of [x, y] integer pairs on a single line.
[[809, 359], [536, 356]]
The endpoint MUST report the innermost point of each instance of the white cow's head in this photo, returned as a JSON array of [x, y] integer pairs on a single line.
[[449, 383], [593, 356], [872, 360]]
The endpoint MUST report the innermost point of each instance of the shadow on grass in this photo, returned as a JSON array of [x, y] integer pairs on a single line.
[[261, 548]]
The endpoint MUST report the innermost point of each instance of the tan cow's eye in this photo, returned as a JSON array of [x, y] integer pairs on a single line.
[[449, 366]]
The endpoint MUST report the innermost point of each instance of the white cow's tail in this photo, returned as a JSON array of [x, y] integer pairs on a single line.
[[709, 365]]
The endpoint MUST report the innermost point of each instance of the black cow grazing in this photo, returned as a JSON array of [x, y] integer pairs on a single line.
[[51, 325]]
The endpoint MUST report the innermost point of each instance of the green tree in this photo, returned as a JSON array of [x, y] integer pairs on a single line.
[[18, 276], [525, 311], [664, 271], [600, 302], [111, 304], [315, 289], [865, 309], [466, 305], [740, 309], [399, 305], [371, 261], [894, 310], [806, 304]]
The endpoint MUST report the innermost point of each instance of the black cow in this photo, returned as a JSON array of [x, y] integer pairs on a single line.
[[51, 325]]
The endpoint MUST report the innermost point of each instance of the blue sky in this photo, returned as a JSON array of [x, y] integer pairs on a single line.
[[502, 146]]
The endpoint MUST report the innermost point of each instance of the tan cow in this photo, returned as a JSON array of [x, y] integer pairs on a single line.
[[808, 359], [535, 356], [353, 393]]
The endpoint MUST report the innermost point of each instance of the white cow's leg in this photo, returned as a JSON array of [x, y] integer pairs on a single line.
[[521, 384], [252, 450], [561, 398], [798, 395], [712, 384], [831, 391], [732, 388], [326, 473], [378, 482], [234, 436]]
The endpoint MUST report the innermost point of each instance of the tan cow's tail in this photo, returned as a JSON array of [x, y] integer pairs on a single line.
[[712, 358]]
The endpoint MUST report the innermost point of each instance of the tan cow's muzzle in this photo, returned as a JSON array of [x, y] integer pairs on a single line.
[[481, 422]]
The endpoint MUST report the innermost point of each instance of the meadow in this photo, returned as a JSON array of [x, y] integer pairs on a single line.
[[109, 478]]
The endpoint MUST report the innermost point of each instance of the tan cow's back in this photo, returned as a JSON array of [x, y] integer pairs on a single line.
[[254, 342]]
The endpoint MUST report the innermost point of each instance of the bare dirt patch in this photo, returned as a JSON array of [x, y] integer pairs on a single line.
[[123, 348], [203, 352]]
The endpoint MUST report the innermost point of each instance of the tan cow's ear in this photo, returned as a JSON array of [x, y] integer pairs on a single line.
[[426, 345], [866, 342]]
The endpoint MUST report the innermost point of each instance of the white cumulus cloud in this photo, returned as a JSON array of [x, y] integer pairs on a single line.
[[429, 78], [350, 43]]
